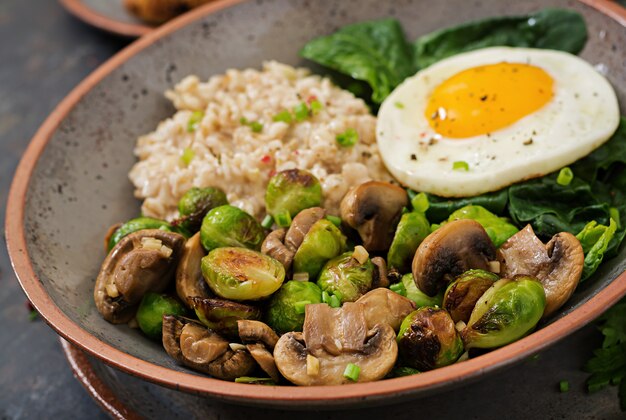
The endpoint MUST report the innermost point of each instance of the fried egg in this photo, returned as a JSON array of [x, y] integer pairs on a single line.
[[479, 121]]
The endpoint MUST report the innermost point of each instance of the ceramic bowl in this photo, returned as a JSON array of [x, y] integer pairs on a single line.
[[72, 184]]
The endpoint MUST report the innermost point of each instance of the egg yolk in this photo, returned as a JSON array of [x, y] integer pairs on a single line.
[[483, 99]]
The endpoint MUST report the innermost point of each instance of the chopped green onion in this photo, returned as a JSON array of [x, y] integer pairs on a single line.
[[243, 121], [267, 222], [334, 220], [194, 121], [316, 106], [399, 105], [398, 288], [252, 380], [283, 219], [334, 301], [564, 386], [348, 138], [187, 156], [283, 116], [325, 297], [300, 306], [614, 212], [256, 126], [301, 111], [565, 176], [352, 372], [420, 203], [460, 165]]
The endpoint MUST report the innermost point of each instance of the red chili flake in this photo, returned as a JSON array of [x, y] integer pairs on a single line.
[[423, 134], [311, 99], [272, 172], [295, 152], [266, 159]]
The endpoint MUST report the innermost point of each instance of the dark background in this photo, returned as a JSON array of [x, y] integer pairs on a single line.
[[44, 53]]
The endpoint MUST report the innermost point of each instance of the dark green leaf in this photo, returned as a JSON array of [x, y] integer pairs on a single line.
[[375, 52], [606, 163], [595, 240], [556, 29], [440, 208]]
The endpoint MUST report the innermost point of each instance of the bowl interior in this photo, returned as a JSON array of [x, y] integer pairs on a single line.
[[79, 186]]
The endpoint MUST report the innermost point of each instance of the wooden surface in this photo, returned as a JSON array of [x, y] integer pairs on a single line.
[[44, 52]]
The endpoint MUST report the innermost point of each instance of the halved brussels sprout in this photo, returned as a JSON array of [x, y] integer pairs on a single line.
[[498, 228], [241, 273], [151, 310], [289, 192], [195, 204], [428, 339], [286, 308], [463, 293], [321, 243], [142, 223], [506, 312], [222, 315], [345, 277], [416, 295], [411, 231], [229, 226]]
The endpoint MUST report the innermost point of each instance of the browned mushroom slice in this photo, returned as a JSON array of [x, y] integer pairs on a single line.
[[449, 251], [222, 315], [189, 280], [107, 236], [384, 306], [557, 264], [274, 247], [143, 261], [300, 226], [260, 340], [380, 278], [302, 358], [374, 209], [201, 349]]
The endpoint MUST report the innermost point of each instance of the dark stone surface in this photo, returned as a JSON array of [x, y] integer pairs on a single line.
[[44, 53]]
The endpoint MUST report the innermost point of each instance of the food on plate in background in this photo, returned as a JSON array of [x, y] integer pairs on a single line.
[[159, 11]]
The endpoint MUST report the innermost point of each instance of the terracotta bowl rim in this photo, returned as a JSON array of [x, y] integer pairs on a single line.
[[243, 393], [85, 13]]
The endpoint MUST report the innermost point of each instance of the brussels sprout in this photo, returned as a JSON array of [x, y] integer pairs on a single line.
[[141, 223], [195, 204], [229, 226], [416, 295], [151, 310], [222, 315], [498, 228], [462, 294], [346, 278], [507, 311], [321, 243], [289, 192], [286, 309], [241, 274], [411, 231], [428, 339]]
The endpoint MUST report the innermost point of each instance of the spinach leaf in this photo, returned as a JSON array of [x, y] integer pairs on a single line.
[[604, 163], [595, 240], [440, 208], [376, 52], [557, 29]]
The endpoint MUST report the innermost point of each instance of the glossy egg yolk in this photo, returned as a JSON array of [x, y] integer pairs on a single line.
[[483, 99]]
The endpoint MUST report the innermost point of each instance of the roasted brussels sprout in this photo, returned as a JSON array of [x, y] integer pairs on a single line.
[[151, 310], [428, 339], [286, 308], [288, 192], [498, 228], [409, 289], [345, 277], [411, 231], [222, 315], [241, 273], [141, 223], [507, 311], [321, 243], [195, 204], [463, 293], [229, 226]]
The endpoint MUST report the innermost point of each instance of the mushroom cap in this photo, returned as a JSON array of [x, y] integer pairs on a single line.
[[189, 280], [384, 306], [374, 209], [336, 337], [133, 269], [274, 247], [300, 226], [558, 265], [257, 332], [452, 249], [380, 278]]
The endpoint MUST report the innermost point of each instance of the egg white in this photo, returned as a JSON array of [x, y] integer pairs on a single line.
[[580, 117]]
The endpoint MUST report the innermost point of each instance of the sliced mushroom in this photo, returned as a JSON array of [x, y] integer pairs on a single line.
[[189, 280], [300, 226], [452, 249], [199, 348], [143, 261], [260, 341], [304, 358], [222, 315], [384, 306], [110, 232], [374, 209], [557, 264], [274, 247], [380, 278]]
